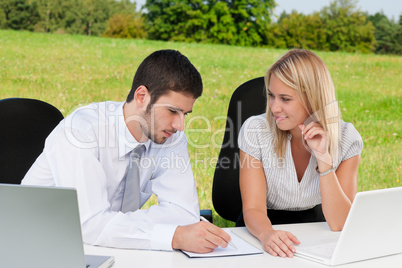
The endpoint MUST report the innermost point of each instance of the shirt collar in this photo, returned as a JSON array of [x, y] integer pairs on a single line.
[[126, 141]]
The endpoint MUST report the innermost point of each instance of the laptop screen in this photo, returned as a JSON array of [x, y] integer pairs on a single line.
[[40, 227]]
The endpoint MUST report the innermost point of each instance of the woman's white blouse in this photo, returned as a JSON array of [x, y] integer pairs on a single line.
[[284, 192]]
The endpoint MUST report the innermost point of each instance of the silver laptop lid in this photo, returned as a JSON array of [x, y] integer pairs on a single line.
[[40, 227], [373, 227]]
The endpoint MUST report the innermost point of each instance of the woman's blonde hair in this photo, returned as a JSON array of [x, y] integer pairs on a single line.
[[306, 73]]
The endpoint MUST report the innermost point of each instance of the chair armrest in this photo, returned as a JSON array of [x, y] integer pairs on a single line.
[[207, 214]]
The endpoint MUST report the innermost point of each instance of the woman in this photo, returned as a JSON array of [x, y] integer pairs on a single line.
[[299, 160]]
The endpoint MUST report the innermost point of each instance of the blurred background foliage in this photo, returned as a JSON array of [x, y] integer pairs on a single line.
[[337, 27]]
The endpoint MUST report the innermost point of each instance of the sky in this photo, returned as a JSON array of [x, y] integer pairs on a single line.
[[391, 8]]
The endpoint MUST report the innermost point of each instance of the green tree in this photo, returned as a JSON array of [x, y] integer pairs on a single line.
[[58, 15], [88, 17], [252, 18], [72, 17], [347, 29], [338, 27], [387, 33], [19, 14], [46, 10], [299, 30], [96, 13], [221, 25], [3, 19], [165, 19], [125, 26], [237, 22]]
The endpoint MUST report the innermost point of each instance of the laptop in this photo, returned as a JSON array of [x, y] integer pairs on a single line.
[[40, 227], [372, 229]]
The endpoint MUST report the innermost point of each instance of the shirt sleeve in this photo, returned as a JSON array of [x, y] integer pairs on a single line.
[[173, 183], [351, 143], [65, 164], [252, 132]]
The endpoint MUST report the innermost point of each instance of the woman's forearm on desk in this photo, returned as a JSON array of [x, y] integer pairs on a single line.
[[338, 190]]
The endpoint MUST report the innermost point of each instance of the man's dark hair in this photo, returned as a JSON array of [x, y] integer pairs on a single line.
[[164, 71]]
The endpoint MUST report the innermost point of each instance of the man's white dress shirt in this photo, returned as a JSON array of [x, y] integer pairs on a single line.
[[89, 150]]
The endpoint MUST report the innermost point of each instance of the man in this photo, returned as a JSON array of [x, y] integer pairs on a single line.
[[90, 151]]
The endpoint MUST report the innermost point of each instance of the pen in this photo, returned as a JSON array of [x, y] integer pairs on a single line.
[[230, 243]]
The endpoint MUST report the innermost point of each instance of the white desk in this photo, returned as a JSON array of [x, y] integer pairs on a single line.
[[176, 259]]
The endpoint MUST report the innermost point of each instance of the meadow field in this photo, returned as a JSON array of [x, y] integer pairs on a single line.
[[69, 71]]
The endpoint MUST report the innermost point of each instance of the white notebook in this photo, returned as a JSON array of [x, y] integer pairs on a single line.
[[243, 248]]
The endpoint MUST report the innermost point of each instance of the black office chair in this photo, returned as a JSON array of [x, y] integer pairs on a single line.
[[25, 124], [247, 100]]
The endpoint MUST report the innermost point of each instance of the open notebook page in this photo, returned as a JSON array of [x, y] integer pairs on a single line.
[[243, 248]]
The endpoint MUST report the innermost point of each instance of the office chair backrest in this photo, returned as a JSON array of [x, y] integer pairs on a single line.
[[25, 124], [247, 100]]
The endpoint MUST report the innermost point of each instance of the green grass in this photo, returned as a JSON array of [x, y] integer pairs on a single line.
[[69, 71]]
